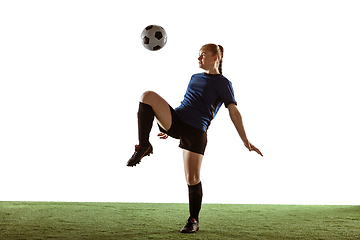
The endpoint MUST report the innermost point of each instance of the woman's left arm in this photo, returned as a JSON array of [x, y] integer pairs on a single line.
[[238, 123]]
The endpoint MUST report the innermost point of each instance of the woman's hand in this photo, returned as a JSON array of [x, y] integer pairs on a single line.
[[237, 120], [251, 147], [163, 135]]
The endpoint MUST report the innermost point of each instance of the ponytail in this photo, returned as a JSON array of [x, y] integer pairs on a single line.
[[221, 57], [216, 50]]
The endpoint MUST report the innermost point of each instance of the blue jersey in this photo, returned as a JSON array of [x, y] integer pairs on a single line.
[[203, 99]]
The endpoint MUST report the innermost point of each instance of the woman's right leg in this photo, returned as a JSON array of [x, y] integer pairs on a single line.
[[151, 104], [159, 106]]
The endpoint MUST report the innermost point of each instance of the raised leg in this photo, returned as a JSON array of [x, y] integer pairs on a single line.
[[160, 107], [151, 104]]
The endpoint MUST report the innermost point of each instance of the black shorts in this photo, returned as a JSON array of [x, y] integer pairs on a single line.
[[191, 138]]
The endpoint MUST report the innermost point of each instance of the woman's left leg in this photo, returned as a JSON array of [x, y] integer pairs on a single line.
[[192, 166]]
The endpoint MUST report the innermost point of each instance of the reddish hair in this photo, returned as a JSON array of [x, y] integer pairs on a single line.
[[216, 50]]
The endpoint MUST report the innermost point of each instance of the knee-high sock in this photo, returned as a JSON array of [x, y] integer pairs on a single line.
[[145, 122], [195, 199]]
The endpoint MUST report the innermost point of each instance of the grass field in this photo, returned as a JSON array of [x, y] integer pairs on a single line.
[[45, 220]]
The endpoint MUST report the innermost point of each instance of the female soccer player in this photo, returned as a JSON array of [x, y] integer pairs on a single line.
[[189, 122]]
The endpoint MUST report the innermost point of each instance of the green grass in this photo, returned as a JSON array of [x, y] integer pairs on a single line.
[[46, 220]]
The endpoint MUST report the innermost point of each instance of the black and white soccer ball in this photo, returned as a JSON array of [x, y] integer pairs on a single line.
[[153, 37]]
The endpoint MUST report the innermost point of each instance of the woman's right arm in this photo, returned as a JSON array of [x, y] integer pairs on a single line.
[[238, 123]]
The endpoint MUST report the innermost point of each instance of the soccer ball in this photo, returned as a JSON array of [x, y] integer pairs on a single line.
[[153, 37]]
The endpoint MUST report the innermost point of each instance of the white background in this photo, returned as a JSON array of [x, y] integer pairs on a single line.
[[72, 72]]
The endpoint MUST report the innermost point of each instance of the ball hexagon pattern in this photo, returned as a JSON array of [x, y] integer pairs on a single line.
[[153, 37]]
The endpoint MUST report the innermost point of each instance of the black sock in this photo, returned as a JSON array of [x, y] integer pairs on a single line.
[[195, 199], [145, 122]]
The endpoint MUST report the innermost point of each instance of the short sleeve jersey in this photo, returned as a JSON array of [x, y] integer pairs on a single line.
[[203, 98]]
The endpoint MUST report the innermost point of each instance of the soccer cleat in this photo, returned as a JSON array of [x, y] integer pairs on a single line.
[[191, 226], [140, 152]]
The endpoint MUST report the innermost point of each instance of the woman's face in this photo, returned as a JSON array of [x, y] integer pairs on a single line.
[[206, 59]]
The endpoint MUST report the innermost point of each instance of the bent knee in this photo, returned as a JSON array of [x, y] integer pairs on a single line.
[[147, 96]]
